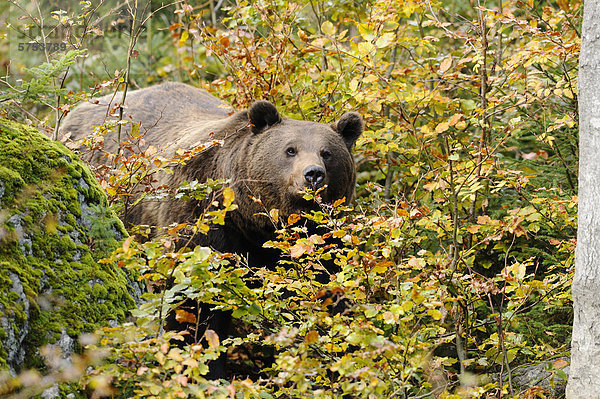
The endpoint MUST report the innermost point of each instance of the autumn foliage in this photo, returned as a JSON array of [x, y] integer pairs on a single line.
[[457, 255]]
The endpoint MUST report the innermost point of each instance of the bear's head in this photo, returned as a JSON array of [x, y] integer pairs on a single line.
[[287, 156]]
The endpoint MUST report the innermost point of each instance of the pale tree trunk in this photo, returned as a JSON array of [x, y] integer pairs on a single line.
[[584, 375]]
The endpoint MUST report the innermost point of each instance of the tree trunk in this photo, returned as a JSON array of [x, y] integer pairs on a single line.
[[584, 375]]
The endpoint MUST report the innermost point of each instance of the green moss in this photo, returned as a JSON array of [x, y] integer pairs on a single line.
[[12, 182], [52, 245], [69, 220], [99, 292]]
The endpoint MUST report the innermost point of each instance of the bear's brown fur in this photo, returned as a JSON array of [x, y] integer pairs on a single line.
[[264, 156]]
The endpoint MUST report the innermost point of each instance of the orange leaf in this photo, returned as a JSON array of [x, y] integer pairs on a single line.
[[224, 41], [473, 228], [564, 5], [175, 229], [302, 35], [312, 337], [560, 363], [485, 219], [554, 241], [339, 202], [183, 316], [402, 212], [382, 266], [293, 218]]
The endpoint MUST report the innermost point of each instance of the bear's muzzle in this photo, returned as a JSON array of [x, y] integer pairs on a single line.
[[314, 176]]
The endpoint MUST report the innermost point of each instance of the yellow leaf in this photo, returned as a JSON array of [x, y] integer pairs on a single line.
[[212, 338], [454, 119], [388, 317], [519, 270], [184, 36], [568, 94], [175, 354], [435, 314], [302, 35], [384, 40], [316, 239], [328, 28], [365, 48], [446, 64], [190, 362], [442, 127], [228, 196], [483, 219], [151, 150], [339, 233], [127, 243], [429, 187], [274, 213], [382, 266]]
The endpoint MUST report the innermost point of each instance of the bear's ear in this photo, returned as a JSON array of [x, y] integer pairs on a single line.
[[261, 115], [350, 127]]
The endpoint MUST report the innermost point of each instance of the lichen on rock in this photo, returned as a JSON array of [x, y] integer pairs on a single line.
[[55, 225]]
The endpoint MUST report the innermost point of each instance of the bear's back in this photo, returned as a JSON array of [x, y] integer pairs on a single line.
[[171, 116]]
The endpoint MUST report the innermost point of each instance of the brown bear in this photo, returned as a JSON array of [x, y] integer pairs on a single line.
[[264, 156]]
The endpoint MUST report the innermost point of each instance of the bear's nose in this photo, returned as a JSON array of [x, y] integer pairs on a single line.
[[314, 175]]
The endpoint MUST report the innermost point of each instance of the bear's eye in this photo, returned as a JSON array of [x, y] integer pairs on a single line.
[[291, 151], [325, 154]]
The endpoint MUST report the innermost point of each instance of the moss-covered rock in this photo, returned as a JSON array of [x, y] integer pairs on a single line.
[[54, 226]]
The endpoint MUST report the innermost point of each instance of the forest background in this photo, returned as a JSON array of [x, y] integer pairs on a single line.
[[457, 256]]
